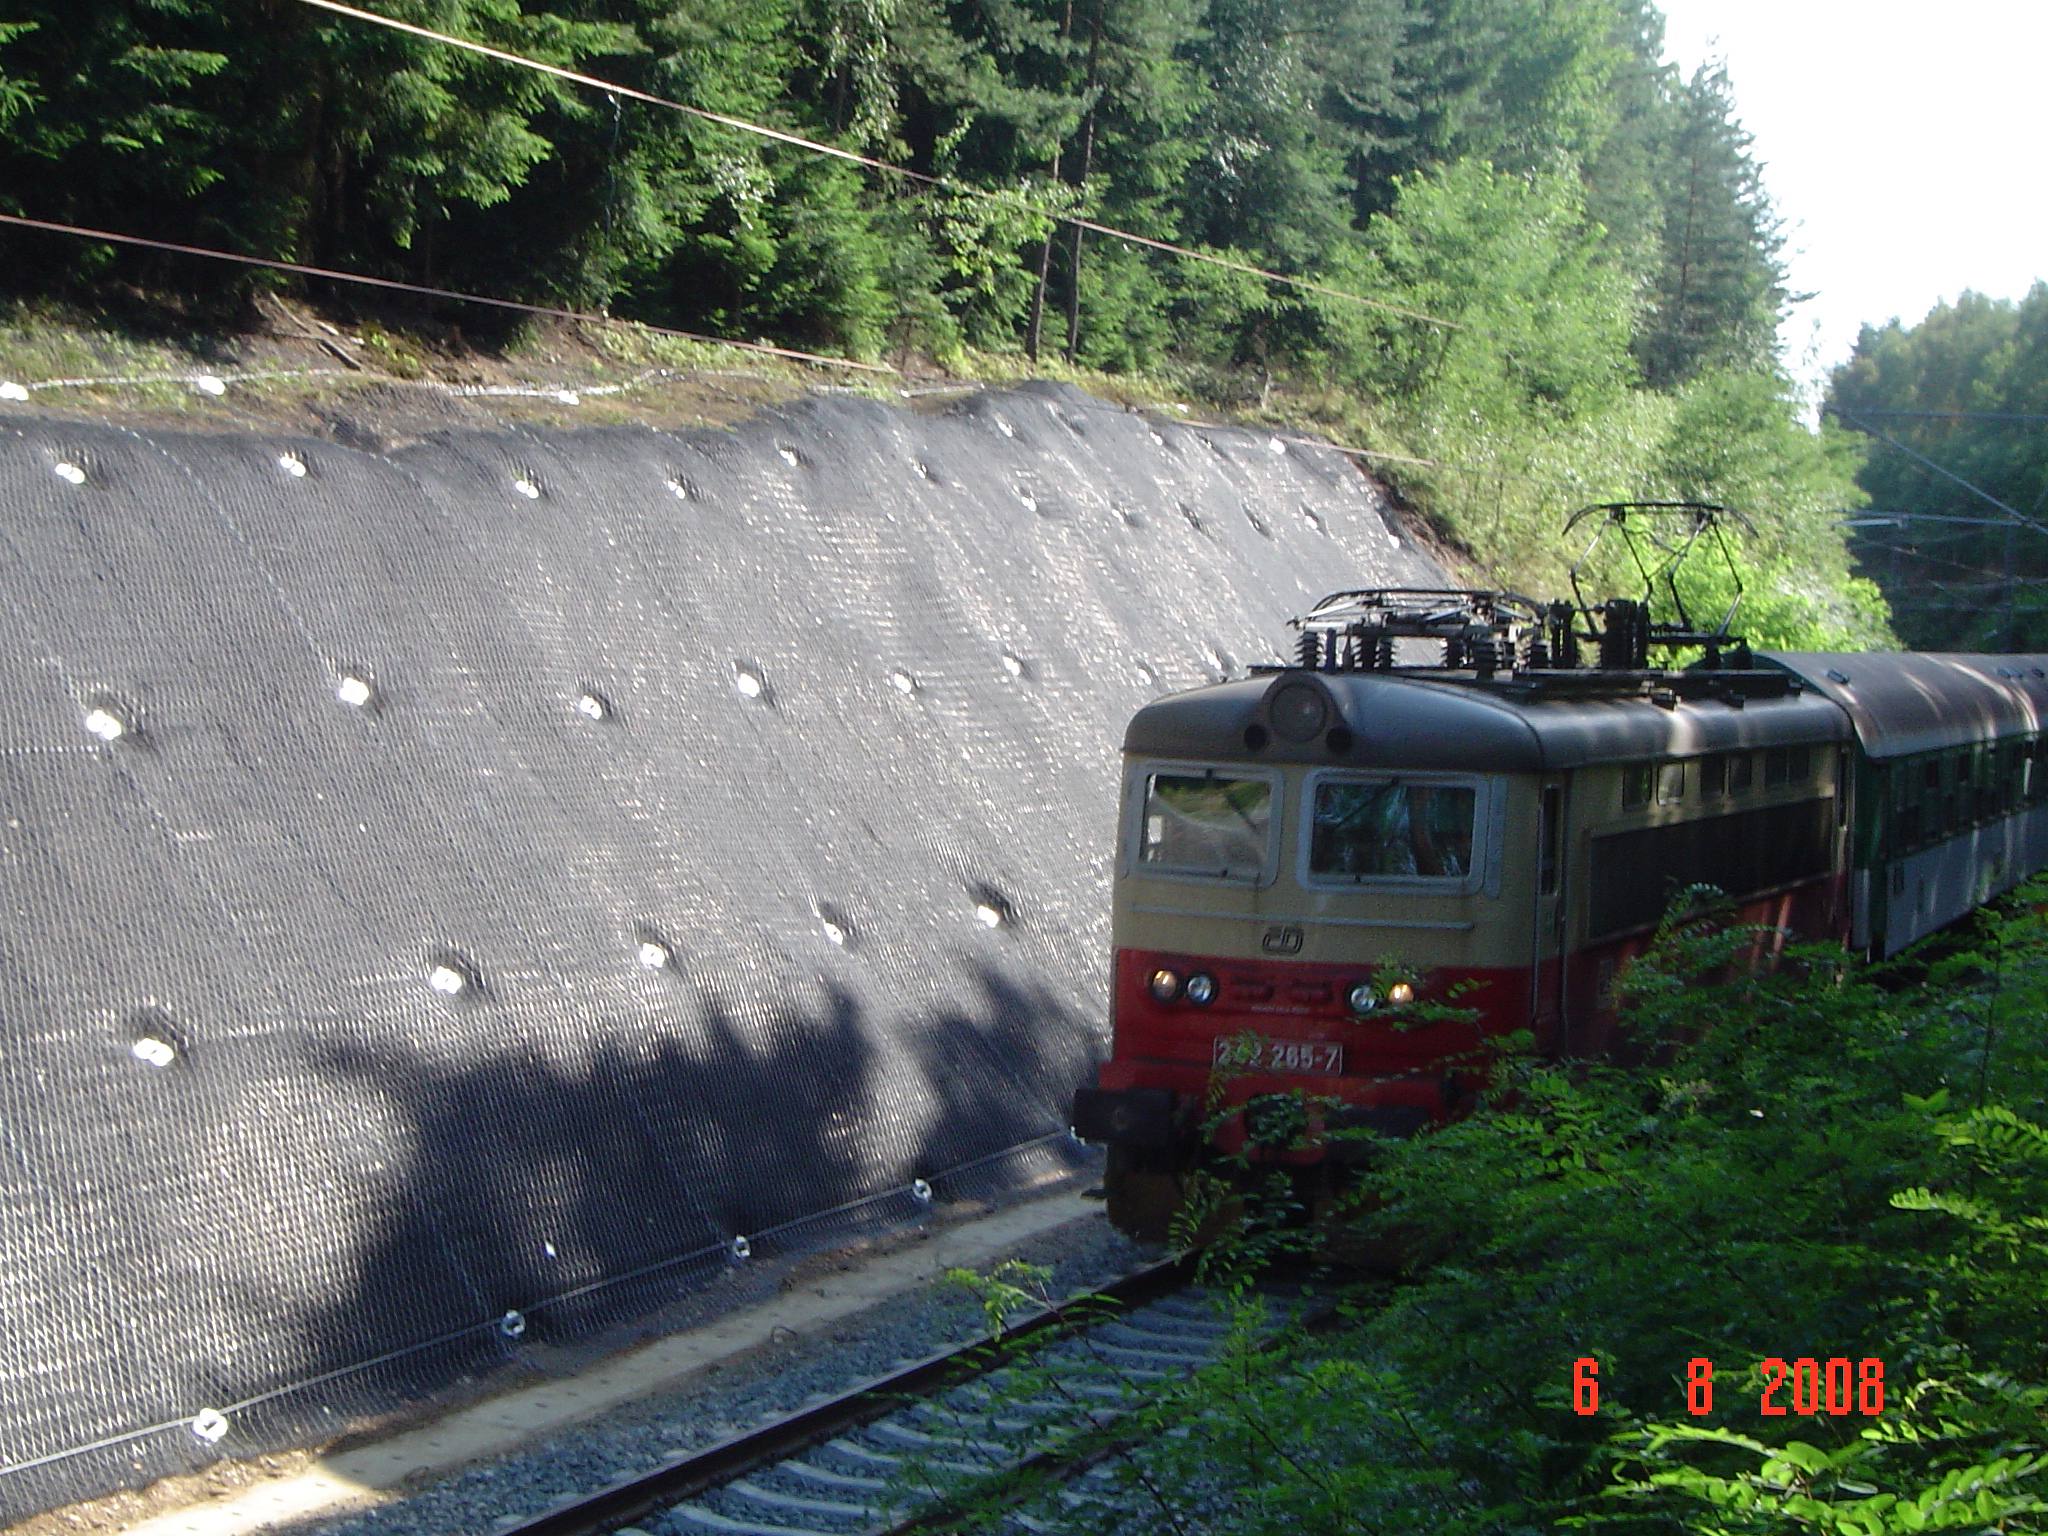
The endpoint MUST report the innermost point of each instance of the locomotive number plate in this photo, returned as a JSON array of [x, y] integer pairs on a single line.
[[1315, 1058]]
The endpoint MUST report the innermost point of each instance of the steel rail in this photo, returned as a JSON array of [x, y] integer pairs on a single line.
[[1005, 1489], [607, 1509]]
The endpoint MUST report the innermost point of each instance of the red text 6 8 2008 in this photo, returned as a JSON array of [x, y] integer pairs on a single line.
[[1806, 1386]]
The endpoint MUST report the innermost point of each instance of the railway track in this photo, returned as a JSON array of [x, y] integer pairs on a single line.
[[856, 1463]]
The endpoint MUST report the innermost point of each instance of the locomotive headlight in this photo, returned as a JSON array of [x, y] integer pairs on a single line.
[[1362, 998], [1399, 993], [1297, 711], [1164, 985], [1201, 989]]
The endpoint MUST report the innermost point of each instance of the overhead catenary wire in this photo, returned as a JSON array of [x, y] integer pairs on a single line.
[[1871, 517], [1919, 557], [2026, 416], [2017, 516], [870, 162]]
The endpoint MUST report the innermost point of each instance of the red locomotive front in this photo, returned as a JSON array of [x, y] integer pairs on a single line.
[[1335, 881]]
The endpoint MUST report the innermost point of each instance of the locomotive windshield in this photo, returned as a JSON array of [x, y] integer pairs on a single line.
[[1385, 829], [1206, 824]]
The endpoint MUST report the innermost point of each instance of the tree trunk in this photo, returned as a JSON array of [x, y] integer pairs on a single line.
[[1044, 270], [1032, 334], [1087, 164]]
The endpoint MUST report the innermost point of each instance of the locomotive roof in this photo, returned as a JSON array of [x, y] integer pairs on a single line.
[[1905, 702], [1405, 720]]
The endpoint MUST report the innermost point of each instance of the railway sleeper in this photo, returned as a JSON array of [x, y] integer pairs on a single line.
[[924, 1440], [687, 1516], [1145, 1352], [852, 1482], [841, 1509], [1000, 1397], [889, 1461], [1004, 1424]]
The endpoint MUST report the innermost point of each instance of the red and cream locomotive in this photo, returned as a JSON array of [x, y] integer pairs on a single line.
[[1309, 857]]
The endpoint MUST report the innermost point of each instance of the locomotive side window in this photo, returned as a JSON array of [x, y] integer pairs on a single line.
[[1206, 824], [1387, 829], [1633, 874]]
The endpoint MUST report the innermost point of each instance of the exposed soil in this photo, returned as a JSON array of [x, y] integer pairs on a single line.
[[291, 367]]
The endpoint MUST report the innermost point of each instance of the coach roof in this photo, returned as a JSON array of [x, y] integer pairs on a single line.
[[1906, 701], [1400, 720]]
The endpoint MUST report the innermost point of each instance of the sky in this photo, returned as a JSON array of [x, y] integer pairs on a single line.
[[1905, 146]]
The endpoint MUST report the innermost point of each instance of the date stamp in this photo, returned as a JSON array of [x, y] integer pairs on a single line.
[[1805, 1387]]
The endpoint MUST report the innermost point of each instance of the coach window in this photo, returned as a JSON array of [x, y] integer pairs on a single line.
[[1635, 785], [1392, 829], [1670, 783], [1908, 831], [1777, 767], [1741, 771], [1713, 777], [1798, 764], [1206, 824]]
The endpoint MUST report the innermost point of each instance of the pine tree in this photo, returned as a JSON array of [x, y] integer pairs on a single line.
[[108, 116], [1720, 288]]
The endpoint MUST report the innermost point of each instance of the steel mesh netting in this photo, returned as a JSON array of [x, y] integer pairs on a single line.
[[485, 879]]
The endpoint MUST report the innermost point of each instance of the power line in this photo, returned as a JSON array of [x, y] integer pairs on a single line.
[[814, 146], [47, 226], [1946, 474], [393, 285], [1864, 410], [1867, 517], [1994, 578]]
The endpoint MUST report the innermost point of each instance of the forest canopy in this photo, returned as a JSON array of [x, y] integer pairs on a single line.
[[1583, 229]]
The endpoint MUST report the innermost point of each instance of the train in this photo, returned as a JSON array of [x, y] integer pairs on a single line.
[[1444, 819]]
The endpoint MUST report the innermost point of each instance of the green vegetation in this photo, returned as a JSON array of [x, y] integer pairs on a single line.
[[1573, 272], [1955, 408], [1827, 1163]]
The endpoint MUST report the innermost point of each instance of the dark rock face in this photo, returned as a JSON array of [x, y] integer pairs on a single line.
[[447, 897]]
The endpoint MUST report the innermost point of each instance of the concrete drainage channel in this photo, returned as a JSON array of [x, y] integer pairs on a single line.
[[886, 1457]]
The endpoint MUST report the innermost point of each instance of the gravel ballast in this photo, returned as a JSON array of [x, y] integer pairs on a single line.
[[798, 1368]]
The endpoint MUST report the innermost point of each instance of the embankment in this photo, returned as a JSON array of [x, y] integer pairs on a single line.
[[451, 895]]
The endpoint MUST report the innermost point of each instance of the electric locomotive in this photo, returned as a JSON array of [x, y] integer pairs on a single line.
[[1311, 857]]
